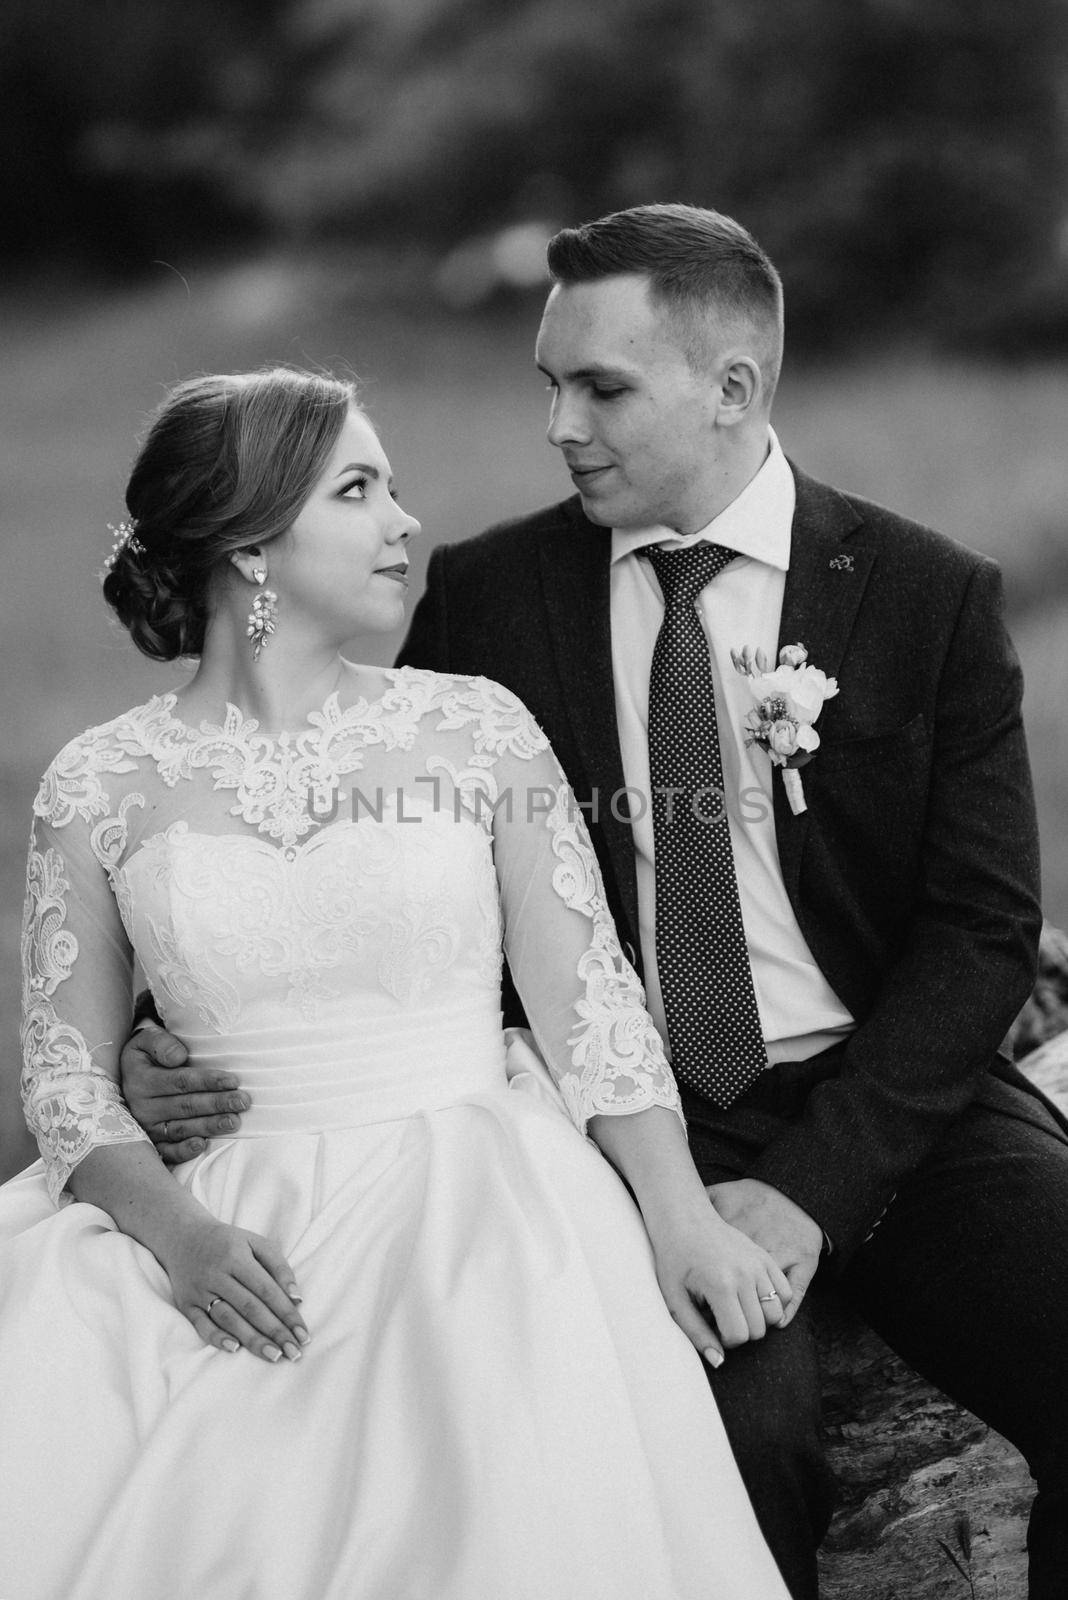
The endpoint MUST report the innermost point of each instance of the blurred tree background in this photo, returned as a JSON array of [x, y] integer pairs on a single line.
[[904, 161], [200, 184]]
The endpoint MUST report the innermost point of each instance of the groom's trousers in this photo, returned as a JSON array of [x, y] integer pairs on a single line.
[[966, 1277]]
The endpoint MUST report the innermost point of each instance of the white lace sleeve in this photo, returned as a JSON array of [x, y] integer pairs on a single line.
[[77, 969], [583, 999]]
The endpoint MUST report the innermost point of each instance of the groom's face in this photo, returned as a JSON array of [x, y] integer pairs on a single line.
[[633, 420]]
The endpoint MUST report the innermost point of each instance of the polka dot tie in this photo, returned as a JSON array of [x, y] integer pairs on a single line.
[[717, 1044]]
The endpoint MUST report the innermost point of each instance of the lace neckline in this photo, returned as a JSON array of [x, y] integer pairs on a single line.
[[283, 782], [165, 707]]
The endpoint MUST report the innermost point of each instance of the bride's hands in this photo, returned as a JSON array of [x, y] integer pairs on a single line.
[[705, 1265], [235, 1287]]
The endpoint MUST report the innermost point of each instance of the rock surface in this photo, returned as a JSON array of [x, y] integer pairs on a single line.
[[1046, 1013], [933, 1503]]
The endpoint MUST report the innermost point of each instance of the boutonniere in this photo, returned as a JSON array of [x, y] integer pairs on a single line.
[[788, 701]]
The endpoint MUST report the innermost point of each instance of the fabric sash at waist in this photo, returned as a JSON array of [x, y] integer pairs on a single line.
[[317, 1076]]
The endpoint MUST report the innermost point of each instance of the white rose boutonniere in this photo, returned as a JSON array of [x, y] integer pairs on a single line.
[[788, 699]]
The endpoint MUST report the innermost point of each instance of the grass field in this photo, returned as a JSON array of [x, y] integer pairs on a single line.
[[976, 451]]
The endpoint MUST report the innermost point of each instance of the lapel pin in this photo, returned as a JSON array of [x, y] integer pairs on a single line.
[[841, 563]]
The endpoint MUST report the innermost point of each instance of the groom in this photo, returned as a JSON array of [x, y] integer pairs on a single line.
[[835, 980]]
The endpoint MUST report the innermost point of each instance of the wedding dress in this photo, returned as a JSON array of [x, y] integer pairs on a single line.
[[495, 1403]]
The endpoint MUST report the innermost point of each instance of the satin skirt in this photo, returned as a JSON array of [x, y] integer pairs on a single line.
[[495, 1404]]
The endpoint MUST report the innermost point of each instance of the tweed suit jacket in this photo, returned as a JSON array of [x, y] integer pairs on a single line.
[[913, 873]]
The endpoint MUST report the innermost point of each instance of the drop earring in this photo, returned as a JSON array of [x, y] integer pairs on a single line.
[[261, 617]]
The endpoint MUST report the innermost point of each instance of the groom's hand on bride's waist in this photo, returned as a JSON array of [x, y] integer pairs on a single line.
[[180, 1107], [782, 1228]]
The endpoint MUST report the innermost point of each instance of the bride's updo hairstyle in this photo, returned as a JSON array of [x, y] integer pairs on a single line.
[[228, 462]]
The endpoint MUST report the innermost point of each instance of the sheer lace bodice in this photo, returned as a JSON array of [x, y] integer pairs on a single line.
[[307, 909]]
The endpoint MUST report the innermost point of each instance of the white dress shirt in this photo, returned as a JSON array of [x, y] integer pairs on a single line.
[[799, 1011]]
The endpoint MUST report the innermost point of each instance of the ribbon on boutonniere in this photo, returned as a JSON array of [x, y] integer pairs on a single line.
[[788, 699]]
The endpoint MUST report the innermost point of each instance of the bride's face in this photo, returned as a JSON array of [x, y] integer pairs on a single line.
[[343, 565]]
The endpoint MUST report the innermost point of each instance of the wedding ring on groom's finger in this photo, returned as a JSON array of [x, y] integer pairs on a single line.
[[764, 1298], [216, 1300], [163, 1139]]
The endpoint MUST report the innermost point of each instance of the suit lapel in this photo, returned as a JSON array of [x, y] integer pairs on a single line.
[[824, 587], [575, 562]]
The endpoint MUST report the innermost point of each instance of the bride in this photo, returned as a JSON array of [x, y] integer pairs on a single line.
[[404, 1335]]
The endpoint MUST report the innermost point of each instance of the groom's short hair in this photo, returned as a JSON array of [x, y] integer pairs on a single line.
[[701, 267]]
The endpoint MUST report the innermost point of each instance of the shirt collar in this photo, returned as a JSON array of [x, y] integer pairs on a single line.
[[756, 524]]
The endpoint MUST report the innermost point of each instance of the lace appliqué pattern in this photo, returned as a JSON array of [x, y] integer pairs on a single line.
[[279, 783], [69, 1103], [254, 918], [178, 977], [617, 1054], [499, 721], [74, 785], [616, 1051]]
